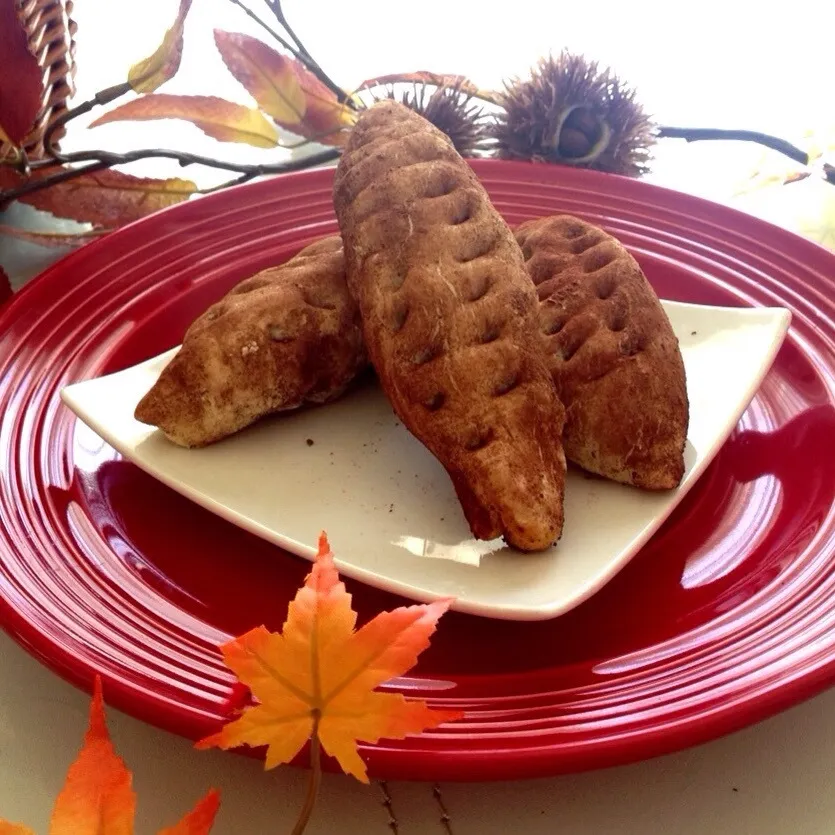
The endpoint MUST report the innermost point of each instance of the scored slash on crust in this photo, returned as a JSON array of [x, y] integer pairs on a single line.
[[606, 333]]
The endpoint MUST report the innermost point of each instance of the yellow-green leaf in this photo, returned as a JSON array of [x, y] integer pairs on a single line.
[[218, 118], [458, 82], [149, 74], [283, 87], [98, 797]]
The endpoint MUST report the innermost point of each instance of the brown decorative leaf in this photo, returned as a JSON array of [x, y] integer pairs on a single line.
[[266, 74], [777, 170], [21, 79], [285, 89], [5, 138], [218, 118], [106, 198], [52, 239], [320, 675], [154, 71]]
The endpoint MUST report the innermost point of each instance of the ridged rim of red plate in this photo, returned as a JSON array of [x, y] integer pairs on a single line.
[[62, 600]]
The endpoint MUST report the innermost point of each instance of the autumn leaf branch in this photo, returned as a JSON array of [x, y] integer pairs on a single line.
[[100, 160], [145, 78], [318, 681], [291, 91], [103, 97]]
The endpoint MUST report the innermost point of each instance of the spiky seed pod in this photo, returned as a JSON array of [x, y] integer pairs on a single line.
[[570, 111], [449, 109]]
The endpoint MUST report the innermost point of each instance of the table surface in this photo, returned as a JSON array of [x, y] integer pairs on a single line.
[[774, 777]]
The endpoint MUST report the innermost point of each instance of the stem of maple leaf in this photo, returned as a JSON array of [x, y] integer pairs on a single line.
[[315, 776]]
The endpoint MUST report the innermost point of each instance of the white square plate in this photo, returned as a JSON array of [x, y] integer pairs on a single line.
[[388, 506]]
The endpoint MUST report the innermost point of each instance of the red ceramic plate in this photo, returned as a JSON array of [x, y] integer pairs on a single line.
[[725, 617]]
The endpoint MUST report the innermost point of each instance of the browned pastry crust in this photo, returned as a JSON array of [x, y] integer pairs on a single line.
[[612, 352], [450, 323], [287, 336]]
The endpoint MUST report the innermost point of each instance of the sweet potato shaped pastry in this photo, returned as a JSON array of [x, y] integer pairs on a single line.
[[612, 352], [450, 322], [287, 336]]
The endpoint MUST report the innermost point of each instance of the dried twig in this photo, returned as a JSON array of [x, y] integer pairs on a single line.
[[388, 805], [262, 23], [446, 821], [105, 159], [97, 160], [275, 7]]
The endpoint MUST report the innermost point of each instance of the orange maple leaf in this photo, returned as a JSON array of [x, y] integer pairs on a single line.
[[97, 798], [317, 678]]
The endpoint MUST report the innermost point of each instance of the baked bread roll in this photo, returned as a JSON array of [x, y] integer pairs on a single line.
[[450, 322], [612, 353], [285, 337]]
